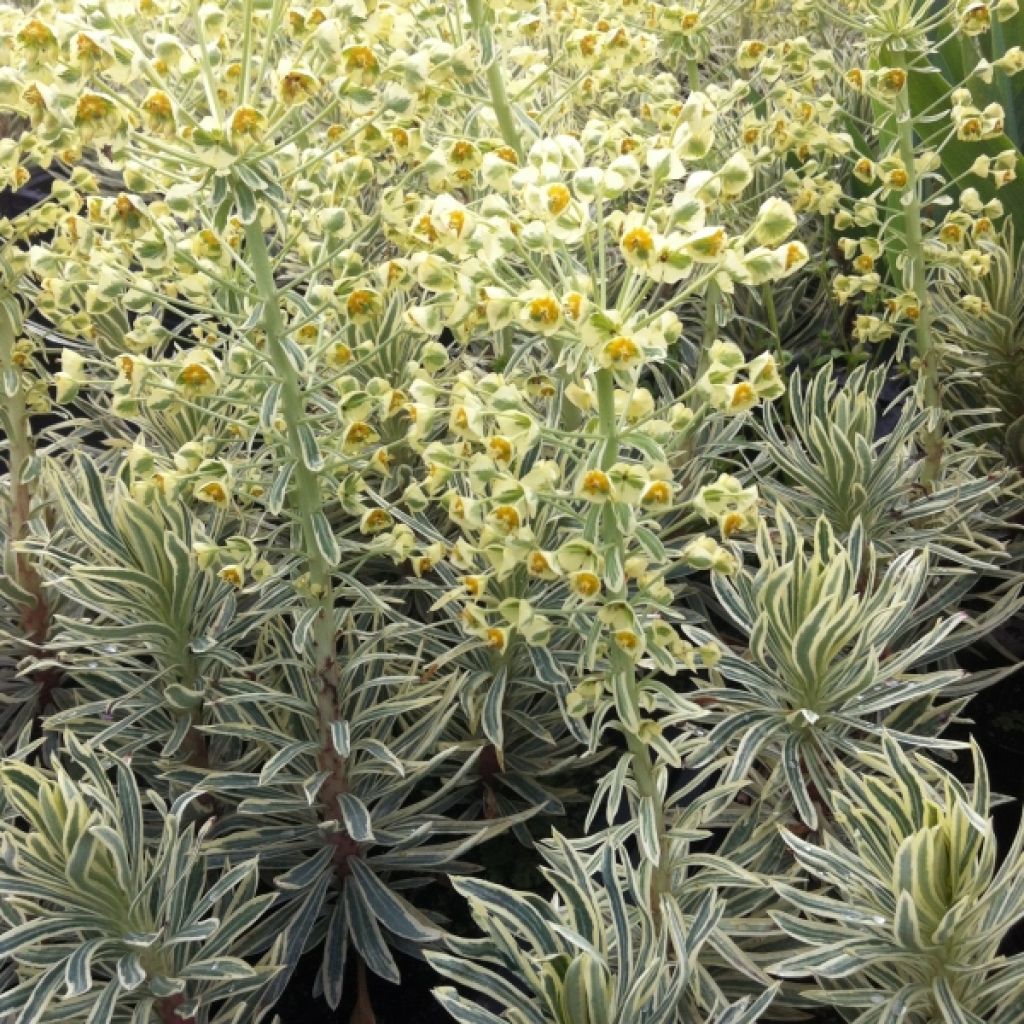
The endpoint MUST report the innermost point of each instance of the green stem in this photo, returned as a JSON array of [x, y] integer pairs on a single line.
[[620, 662], [927, 350], [693, 74], [505, 349], [1006, 90], [768, 297], [495, 82], [306, 501], [35, 615], [710, 333]]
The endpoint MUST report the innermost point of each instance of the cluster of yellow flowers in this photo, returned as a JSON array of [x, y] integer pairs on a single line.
[[395, 208], [561, 252]]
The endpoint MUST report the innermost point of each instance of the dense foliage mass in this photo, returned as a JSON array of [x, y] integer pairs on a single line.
[[596, 424]]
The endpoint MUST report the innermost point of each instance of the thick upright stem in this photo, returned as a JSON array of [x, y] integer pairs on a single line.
[[693, 74], [773, 320], [35, 615], [495, 81], [306, 501], [927, 350], [620, 663], [712, 295], [168, 1010]]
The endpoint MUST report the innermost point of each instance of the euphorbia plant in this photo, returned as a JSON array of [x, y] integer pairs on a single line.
[[407, 463]]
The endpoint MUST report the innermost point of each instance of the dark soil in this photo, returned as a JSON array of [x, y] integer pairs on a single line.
[[407, 1003]]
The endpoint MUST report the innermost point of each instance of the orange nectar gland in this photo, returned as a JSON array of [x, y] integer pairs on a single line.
[[627, 640], [213, 491], [508, 154], [894, 79], [500, 449], [657, 493], [457, 509], [246, 121], [230, 574], [542, 387], [36, 35], [457, 222], [92, 108], [361, 58], [622, 351], [196, 376], [339, 354], [538, 563], [158, 106], [474, 585], [898, 178], [596, 484], [742, 396], [712, 245], [360, 302], [462, 151], [639, 243], [620, 40], [507, 516], [544, 311], [125, 208], [33, 97], [297, 87], [732, 522], [358, 433], [794, 254], [558, 198], [971, 128], [377, 520], [496, 638], [574, 304], [977, 18], [425, 226], [586, 584]]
